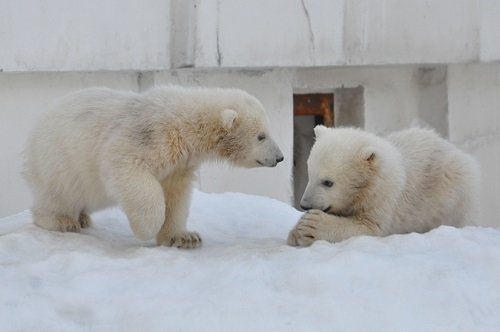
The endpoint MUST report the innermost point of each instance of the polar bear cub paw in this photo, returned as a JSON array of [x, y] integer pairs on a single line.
[[311, 227], [67, 224], [183, 240], [84, 220]]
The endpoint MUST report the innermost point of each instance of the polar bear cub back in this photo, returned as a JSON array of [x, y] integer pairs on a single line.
[[359, 183], [100, 147]]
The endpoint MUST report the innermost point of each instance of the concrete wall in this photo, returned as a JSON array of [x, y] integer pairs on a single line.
[[73, 35], [489, 30], [235, 33], [413, 31], [474, 118], [390, 93], [433, 97], [277, 33], [349, 107]]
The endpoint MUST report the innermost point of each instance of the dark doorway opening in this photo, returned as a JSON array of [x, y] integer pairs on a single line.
[[309, 110]]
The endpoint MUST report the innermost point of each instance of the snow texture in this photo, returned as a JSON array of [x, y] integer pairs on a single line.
[[245, 278]]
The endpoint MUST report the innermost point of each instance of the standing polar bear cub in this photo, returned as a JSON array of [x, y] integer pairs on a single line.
[[362, 184], [99, 147]]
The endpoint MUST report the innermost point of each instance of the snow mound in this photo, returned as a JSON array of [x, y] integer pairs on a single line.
[[245, 277]]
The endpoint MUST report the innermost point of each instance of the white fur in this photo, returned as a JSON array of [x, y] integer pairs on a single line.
[[411, 181], [100, 147]]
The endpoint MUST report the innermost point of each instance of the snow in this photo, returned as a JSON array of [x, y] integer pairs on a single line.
[[245, 277]]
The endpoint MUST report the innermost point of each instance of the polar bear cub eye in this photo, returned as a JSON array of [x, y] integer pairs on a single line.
[[261, 137], [327, 183]]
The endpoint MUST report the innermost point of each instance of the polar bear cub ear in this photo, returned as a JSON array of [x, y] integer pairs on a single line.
[[320, 130], [369, 154], [228, 118]]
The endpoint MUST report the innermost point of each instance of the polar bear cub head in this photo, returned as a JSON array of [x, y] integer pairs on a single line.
[[347, 168], [247, 141]]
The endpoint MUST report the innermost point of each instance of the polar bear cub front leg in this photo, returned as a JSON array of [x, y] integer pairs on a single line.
[[177, 193], [140, 196], [317, 225]]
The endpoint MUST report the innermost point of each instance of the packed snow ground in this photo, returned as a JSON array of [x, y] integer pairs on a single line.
[[245, 277]]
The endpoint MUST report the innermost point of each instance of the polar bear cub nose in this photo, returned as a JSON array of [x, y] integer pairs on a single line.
[[273, 155], [305, 204], [278, 158], [305, 207]]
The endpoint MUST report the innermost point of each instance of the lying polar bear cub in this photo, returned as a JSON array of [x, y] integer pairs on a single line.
[[362, 184], [99, 147]]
